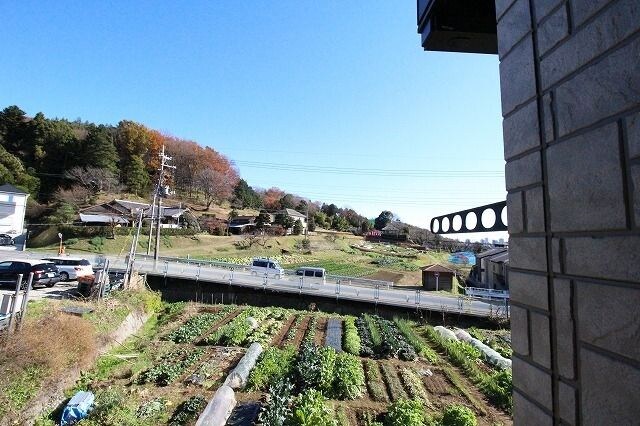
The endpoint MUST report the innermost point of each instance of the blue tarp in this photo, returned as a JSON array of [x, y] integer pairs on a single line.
[[77, 408], [463, 258]]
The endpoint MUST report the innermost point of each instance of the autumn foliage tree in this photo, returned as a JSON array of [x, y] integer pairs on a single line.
[[271, 198]]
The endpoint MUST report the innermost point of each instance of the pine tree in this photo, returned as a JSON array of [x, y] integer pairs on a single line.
[[99, 149], [136, 175]]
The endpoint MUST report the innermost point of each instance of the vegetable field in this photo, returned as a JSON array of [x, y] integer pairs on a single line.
[[315, 369]]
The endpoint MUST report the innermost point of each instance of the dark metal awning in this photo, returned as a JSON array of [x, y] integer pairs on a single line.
[[458, 25]]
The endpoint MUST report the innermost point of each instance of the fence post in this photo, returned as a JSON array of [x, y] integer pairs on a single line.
[[376, 294], [25, 300], [337, 290], [14, 302]]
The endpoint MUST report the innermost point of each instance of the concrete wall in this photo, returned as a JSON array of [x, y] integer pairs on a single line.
[[570, 82]]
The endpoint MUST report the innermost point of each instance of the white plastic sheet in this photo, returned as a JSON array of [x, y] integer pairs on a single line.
[[219, 408], [445, 332], [237, 379], [490, 355]]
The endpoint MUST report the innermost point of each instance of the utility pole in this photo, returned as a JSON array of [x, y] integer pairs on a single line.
[[306, 228], [151, 219], [153, 203], [163, 165]]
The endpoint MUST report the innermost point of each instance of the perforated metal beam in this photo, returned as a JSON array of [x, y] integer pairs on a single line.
[[489, 218]]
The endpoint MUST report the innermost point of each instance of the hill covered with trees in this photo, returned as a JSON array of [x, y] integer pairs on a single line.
[[65, 165]]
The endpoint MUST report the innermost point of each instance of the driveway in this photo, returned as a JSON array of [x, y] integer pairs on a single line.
[[62, 290]]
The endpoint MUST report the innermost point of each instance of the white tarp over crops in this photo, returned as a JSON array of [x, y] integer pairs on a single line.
[[219, 408], [445, 332], [490, 355], [237, 379]]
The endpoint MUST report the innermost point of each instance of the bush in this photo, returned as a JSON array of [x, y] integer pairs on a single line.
[[406, 412], [97, 243], [458, 415], [71, 241]]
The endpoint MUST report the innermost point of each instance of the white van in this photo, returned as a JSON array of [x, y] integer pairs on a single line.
[[262, 266], [71, 268], [312, 275]]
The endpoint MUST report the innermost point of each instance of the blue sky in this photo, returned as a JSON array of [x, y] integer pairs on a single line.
[[342, 90]]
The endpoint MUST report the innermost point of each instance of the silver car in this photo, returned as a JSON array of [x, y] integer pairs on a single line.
[[71, 268]]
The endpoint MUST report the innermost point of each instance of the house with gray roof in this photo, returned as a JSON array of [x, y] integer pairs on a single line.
[[126, 213]]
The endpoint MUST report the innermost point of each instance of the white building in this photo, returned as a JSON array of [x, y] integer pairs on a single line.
[[13, 204], [296, 215]]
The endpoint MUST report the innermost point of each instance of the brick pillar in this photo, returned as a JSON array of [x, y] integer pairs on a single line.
[[570, 82]]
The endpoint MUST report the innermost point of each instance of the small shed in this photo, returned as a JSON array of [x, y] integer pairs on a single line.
[[437, 277]]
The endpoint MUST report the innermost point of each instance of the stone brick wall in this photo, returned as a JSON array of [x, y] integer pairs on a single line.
[[570, 81]]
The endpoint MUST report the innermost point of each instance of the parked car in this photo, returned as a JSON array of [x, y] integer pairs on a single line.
[[261, 266], [71, 268], [44, 272], [312, 275], [309, 271], [6, 240]]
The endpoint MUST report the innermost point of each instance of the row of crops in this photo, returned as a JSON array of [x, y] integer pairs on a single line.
[[315, 369]]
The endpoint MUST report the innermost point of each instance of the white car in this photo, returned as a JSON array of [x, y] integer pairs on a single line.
[[262, 266], [71, 268]]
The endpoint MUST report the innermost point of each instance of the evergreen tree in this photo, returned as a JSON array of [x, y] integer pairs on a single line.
[[99, 149], [12, 171], [284, 220], [136, 175], [245, 197], [12, 129], [339, 223], [287, 202], [297, 227], [383, 219], [311, 226], [263, 220]]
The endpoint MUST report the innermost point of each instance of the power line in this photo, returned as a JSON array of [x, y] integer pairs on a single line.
[[374, 172], [325, 154]]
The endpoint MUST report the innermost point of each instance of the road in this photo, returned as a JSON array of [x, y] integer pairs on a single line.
[[344, 289]]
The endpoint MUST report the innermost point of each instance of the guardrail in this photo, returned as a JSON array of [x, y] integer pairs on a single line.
[[289, 272], [486, 293], [413, 299], [340, 287]]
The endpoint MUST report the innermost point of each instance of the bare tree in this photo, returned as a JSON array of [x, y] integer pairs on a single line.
[[94, 179], [215, 186], [76, 195]]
